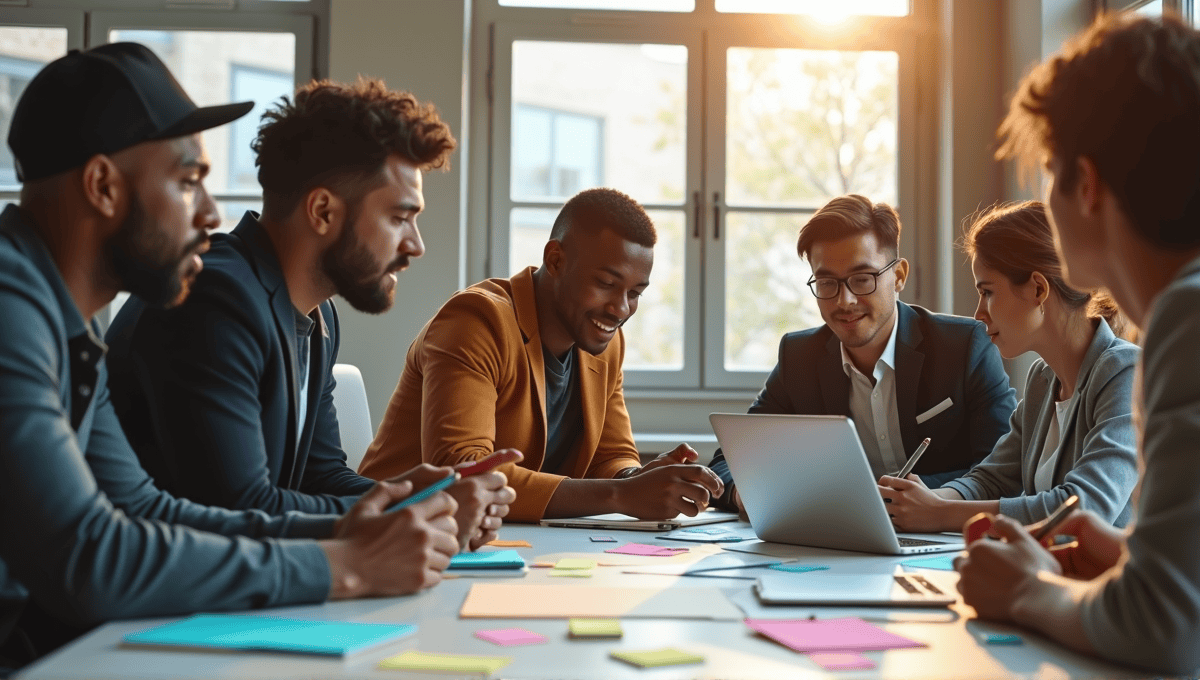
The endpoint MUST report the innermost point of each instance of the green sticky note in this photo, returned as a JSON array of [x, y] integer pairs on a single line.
[[653, 658], [573, 573], [797, 568], [595, 628], [575, 563], [413, 660]]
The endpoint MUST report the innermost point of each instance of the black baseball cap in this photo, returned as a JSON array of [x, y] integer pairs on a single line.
[[101, 101]]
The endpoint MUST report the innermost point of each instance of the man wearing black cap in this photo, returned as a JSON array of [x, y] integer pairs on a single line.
[[107, 147], [244, 418]]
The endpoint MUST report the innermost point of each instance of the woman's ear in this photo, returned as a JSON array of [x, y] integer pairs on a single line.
[[1041, 287]]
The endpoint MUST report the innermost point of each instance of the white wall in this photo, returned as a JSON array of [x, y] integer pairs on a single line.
[[419, 46]]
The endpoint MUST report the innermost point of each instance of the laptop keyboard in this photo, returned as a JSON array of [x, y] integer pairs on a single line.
[[916, 542]]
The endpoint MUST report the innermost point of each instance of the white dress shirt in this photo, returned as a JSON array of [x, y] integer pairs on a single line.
[[873, 408]]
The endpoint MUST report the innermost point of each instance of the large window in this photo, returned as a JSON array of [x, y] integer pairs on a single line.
[[731, 128]]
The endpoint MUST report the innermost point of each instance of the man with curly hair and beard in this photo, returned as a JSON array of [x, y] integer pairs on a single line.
[[228, 398]]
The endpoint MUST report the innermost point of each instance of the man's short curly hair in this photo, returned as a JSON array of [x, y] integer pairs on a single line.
[[602, 208], [339, 136], [1124, 93]]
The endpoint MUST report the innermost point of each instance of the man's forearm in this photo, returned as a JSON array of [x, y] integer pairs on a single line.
[[578, 497], [1052, 607]]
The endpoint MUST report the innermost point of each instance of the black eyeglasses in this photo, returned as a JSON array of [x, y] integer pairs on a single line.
[[862, 283]]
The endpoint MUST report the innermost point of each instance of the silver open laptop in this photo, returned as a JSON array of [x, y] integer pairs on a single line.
[[805, 480]]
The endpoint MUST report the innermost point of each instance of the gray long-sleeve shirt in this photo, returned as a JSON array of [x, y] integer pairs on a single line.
[[83, 530], [1097, 459], [1147, 610]]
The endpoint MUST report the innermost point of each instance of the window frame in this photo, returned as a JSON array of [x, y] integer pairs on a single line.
[[703, 373]]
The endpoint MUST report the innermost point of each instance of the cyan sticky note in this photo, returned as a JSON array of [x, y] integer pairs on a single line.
[[1002, 639], [270, 633], [942, 562], [497, 559], [797, 568]]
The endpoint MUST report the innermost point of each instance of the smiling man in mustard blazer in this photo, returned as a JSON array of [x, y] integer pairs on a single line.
[[901, 372]]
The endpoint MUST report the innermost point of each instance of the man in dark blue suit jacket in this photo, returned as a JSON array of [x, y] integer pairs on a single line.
[[228, 398], [900, 371]]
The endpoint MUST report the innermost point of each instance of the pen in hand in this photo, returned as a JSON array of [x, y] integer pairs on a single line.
[[912, 462]]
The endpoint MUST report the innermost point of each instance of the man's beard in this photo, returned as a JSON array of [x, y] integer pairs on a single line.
[[355, 274], [137, 254]]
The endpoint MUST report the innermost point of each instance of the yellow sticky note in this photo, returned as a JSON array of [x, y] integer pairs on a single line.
[[575, 573], [575, 563], [658, 657], [510, 544], [595, 628], [413, 660]]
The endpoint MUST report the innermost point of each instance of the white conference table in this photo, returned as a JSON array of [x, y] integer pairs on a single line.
[[731, 650]]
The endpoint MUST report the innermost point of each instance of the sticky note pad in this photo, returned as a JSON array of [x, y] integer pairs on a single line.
[[647, 550], [511, 637], [595, 628], [575, 563], [830, 635], [603, 539], [943, 562], [270, 633], [654, 658], [797, 568], [572, 573], [509, 544], [497, 559], [1002, 639], [841, 661], [413, 660]]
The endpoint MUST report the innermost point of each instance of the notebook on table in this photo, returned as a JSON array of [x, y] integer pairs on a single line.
[[618, 521], [805, 480], [271, 634]]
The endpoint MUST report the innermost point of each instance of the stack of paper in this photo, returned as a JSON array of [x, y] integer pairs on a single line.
[[272, 634]]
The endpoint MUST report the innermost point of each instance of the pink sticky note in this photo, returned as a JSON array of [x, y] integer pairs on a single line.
[[648, 550], [841, 661], [511, 637], [830, 635]]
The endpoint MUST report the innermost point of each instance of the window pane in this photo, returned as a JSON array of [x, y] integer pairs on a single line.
[[819, 8], [1151, 9], [642, 5], [804, 126], [765, 291], [595, 114], [23, 52], [218, 67], [654, 336]]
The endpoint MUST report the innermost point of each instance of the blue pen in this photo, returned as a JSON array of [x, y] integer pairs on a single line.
[[428, 491]]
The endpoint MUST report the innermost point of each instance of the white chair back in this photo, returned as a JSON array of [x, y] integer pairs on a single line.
[[353, 414]]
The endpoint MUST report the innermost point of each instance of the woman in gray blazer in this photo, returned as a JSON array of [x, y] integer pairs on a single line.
[[1073, 432]]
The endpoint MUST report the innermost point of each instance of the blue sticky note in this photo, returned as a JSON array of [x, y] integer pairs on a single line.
[[943, 562], [1002, 639], [496, 559], [269, 633], [797, 568], [603, 539]]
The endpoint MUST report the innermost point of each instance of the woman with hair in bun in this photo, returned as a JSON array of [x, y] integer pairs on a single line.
[[1073, 432]]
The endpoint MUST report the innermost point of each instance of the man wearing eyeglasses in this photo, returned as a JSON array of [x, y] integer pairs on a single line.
[[902, 373]]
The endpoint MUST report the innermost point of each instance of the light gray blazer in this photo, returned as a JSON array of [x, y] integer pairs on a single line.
[[1097, 457], [1147, 611]]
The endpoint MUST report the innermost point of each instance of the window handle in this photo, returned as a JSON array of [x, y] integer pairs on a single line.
[[716, 216], [696, 207]]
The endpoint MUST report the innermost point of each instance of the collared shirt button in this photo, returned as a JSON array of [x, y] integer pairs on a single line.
[[84, 355], [85, 390], [882, 437]]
